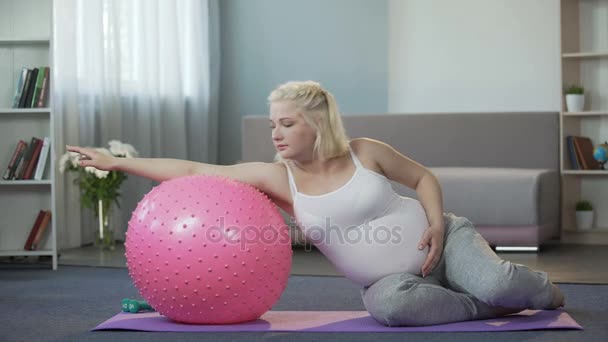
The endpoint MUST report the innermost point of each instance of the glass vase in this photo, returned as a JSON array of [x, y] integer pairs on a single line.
[[105, 234]]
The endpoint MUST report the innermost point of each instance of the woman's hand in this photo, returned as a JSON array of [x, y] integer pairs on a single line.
[[94, 158], [433, 237]]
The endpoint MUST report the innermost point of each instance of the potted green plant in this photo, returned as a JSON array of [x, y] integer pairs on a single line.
[[575, 98], [584, 215]]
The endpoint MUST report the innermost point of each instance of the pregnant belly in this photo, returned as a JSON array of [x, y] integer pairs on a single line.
[[383, 246]]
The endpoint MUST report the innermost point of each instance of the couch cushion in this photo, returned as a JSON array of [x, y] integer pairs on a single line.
[[497, 196]]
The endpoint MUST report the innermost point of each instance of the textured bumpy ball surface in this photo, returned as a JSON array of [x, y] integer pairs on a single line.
[[208, 250]]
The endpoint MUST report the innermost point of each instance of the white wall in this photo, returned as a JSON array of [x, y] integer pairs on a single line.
[[341, 43], [473, 55]]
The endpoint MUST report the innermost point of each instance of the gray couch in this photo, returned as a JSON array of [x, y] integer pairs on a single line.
[[500, 170]]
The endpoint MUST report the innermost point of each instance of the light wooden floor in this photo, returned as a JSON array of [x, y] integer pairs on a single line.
[[565, 263]]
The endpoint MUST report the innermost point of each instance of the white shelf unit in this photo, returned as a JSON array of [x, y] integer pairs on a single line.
[[25, 41], [584, 62]]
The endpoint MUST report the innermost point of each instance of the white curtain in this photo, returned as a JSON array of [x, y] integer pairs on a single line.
[[140, 71]]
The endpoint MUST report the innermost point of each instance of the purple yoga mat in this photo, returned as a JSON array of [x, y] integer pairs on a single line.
[[341, 321]]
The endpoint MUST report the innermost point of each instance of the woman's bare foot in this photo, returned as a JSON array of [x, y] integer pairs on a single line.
[[500, 311], [558, 298]]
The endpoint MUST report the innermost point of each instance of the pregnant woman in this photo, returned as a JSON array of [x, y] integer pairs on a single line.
[[416, 265]]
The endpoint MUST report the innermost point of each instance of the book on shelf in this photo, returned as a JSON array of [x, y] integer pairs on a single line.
[[584, 151], [19, 89], [28, 160], [572, 155], [32, 88], [14, 161], [24, 87], [29, 169], [44, 91], [37, 231], [37, 88], [44, 223], [44, 153], [33, 230]]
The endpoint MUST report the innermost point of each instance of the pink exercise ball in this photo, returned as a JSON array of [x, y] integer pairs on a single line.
[[208, 250]]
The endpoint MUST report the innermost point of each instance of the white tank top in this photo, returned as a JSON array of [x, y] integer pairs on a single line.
[[364, 228]]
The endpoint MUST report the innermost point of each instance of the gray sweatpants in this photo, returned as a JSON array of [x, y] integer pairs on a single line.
[[469, 282]]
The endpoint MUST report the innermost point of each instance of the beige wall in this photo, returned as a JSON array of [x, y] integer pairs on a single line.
[[473, 55]]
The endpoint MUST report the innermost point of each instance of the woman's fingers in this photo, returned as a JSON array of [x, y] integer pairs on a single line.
[[84, 152], [425, 239], [85, 163], [72, 148], [87, 156], [428, 263], [84, 157], [431, 260]]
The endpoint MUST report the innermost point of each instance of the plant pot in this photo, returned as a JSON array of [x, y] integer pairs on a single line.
[[584, 219], [575, 102]]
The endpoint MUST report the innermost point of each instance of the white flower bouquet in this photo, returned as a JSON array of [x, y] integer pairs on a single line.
[[99, 188]]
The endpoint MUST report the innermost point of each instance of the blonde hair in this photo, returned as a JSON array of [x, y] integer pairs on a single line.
[[320, 111]]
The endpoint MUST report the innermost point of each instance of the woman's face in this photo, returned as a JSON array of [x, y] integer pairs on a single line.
[[291, 135]]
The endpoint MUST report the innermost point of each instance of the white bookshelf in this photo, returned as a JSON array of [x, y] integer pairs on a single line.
[[25, 41], [8, 111], [584, 62]]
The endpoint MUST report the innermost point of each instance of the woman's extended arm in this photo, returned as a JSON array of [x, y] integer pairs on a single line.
[[161, 169], [270, 178]]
